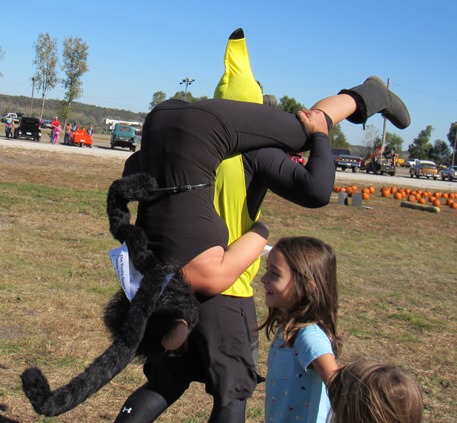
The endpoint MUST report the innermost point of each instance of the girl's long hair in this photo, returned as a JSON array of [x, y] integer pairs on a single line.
[[313, 266]]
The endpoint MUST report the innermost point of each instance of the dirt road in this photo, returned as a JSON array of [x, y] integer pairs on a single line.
[[102, 149]]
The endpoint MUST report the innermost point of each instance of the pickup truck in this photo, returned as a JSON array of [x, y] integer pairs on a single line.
[[344, 159], [14, 116]]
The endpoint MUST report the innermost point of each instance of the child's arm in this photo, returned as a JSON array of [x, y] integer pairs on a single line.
[[325, 365]]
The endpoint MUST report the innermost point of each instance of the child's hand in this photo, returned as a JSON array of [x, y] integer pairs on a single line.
[[312, 121]]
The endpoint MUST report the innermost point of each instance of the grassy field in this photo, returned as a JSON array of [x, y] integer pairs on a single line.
[[396, 269]]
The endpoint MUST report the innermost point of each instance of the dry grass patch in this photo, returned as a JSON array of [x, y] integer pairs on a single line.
[[396, 270]]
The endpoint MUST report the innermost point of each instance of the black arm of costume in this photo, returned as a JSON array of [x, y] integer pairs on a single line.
[[308, 186]]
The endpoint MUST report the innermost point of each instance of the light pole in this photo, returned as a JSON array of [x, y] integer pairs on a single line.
[[186, 81]]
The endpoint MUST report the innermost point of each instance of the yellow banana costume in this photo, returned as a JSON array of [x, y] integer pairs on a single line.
[[237, 83]]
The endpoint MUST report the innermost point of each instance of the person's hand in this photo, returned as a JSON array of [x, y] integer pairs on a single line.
[[312, 121]]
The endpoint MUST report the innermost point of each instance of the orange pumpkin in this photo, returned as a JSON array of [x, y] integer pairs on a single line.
[[411, 198], [454, 205], [436, 203], [449, 202], [398, 196], [365, 196]]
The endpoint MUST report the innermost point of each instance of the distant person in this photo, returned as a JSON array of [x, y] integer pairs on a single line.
[[74, 127], [90, 131], [368, 391], [302, 299], [67, 136], [54, 125], [9, 125], [57, 130]]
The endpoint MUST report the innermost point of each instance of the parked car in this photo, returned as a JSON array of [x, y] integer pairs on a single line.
[[344, 159], [29, 128], [15, 116], [297, 158], [81, 137], [449, 173], [424, 168], [46, 124], [124, 136], [410, 162]]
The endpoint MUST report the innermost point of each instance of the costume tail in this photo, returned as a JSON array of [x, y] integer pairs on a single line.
[[105, 367], [149, 298]]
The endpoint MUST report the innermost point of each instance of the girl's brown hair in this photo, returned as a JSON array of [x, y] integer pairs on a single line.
[[368, 391], [313, 265]]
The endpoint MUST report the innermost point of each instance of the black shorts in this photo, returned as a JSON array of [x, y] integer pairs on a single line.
[[222, 353]]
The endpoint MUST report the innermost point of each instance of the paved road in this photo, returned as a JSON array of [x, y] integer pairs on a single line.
[[101, 148], [401, 179]]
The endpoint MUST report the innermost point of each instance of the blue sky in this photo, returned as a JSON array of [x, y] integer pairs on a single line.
[[299, 48]]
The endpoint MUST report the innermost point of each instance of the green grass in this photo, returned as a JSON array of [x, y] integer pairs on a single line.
[[397, 278]]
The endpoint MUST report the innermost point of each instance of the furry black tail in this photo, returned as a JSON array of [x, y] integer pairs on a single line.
[[106, 366], [171, 300]]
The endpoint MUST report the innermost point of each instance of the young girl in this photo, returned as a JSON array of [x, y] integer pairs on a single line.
[[368, 391], [301, 294]]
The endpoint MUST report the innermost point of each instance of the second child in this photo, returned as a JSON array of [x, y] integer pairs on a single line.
[[302, 298]]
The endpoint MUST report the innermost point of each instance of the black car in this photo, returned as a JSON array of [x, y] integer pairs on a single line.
[[29, 128]]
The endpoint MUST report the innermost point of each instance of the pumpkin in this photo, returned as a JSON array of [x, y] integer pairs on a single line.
[[411, 198], [436, 203]]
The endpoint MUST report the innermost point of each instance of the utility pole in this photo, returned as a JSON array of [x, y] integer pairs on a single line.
[[455, 144], [384, 128], [33, 91], [186, 81]]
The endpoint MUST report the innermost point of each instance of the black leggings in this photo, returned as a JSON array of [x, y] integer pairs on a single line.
[[144, 406]]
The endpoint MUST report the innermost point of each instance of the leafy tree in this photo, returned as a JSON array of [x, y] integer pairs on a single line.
[[420, 148], [45, 61], [440, 152], [452, 138], [337, 138], [188, 96], [157, 98], [75, 66], [371, 138], [290, 105], [394, 141]]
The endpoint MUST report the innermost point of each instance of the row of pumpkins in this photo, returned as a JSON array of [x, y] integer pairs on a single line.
[[436, 198]]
